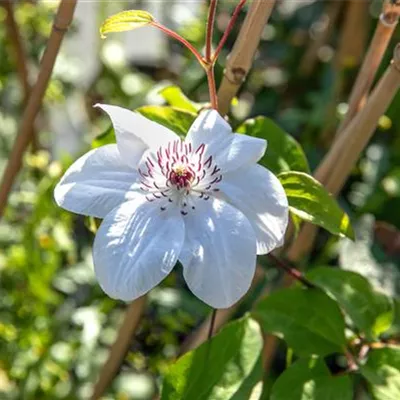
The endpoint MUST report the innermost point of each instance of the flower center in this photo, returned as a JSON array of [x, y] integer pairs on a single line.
[[181, 176], [177, 172]]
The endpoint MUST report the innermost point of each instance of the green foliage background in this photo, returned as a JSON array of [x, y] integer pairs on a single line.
[[56, 325]]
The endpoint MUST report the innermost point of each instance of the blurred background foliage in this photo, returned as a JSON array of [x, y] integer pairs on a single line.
[[56, 325]]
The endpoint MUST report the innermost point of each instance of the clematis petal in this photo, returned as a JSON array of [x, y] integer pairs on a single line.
[[136, 247], [229, 151], [242, 150], [211, 129], [96, 183], [219, 255], [259, 195], [135, 133]]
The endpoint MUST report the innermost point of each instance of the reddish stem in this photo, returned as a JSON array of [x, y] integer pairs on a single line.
[[293, 272], [210, 28], [212, 87], [212, 324], [351, 360], [179, 38], [228, 30]]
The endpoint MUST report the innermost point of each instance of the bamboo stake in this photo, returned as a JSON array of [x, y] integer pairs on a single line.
[[347, 148], [16, 43], [20, 57], [241, 57], [326, 23], [360, 130], [62, 21], [383, 33], [354, 34], [120, 347], [350, 49]]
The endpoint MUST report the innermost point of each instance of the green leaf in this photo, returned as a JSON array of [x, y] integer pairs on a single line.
[[310, 379], [371, 311], [284, 153], [310, 201], [307, 319], [217, 369], [177, 120], [174, 96], [107, 137], [382, 371], [297, 222], [395, 327], [125, 21]]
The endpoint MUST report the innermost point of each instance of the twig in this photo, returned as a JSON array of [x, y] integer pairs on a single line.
[[383, 33], [16, 42], [326, 24], [212, 323], [241, 57], [180, 39], [293, 272], [20, 55], [62, 20], [120, 347], [229, 28], [351, 361], [210, 28]]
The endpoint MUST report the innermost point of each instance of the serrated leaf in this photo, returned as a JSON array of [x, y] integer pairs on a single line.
[[371, 311], [307, 319], [177, 120], [284, 153], [310, 201], [217, 369], [174, 96], [310, 379], [382, 370], [125, 21]]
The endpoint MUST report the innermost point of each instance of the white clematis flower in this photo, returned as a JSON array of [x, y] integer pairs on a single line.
[[203, 201]]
